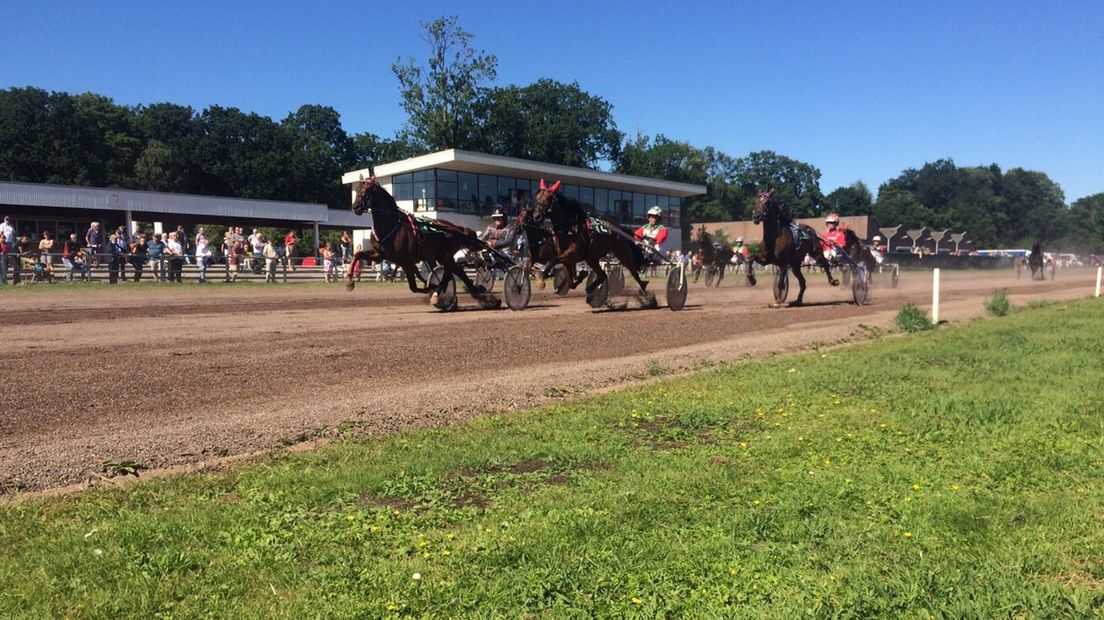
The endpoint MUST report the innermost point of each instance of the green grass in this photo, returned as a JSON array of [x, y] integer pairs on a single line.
[[998, 304], [912, 319], [956, 473]]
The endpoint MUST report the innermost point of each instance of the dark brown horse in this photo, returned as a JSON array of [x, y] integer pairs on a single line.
[[540, 247], [714, 257], [406, 241], [578, 237], [786, 244], [1036, 260]]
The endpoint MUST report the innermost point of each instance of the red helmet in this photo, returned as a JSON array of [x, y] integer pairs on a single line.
[[832, 218]]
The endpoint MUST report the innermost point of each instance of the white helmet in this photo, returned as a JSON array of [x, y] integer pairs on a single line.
[[877, 237], [739, 239], [656, 211]]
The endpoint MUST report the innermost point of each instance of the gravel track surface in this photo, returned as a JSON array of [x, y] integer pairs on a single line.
[[193, 377]]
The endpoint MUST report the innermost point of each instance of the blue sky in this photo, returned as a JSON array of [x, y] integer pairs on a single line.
[[862, 90]]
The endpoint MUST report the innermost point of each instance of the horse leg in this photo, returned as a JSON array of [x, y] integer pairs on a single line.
[[354, 270], [751, 268], [720, 276], [796, 269]]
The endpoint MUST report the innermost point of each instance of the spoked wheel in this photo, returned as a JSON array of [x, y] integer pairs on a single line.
[[781, 286], [710, 273], [601, 294], [425, 271], [616, 280], [561, 280], [860, 285], [516, 287], [446, 297], [677, 287], [485, 277], [845, 276]]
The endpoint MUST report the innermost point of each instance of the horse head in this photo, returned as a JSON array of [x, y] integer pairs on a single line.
[[763, 204], [368, 194], [545, 199]]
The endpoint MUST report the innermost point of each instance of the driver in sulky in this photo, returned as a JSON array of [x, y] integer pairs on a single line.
[[654, 232], [498, 235]]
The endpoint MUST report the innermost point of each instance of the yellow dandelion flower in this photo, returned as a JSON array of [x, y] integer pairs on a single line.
[[954, 487], [916, 487], [446, 552], [637, 601], [743, 444], [882, 425], [350, 518], [756, 502], [392, 607], [801, 438], [907, 534], [450, 536]]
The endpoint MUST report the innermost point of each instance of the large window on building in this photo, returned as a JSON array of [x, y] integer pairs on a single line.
[[447, 196], [601, 201], [488, 192], [425, 190], [468, 191], [402, 186], [639, 208], [505, 193], [674, 211], [586, 198]]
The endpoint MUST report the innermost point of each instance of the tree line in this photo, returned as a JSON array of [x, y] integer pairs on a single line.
[[451, 102]]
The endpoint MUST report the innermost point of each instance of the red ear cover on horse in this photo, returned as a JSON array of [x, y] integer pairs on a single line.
[[543, 186], [555, 186]]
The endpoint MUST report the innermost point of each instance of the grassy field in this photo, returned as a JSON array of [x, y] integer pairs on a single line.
[[955, 473]]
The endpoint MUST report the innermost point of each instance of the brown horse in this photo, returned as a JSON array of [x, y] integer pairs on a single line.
[[578, 237], [406, 241], [714, 257], [540, 247], [785, 244]]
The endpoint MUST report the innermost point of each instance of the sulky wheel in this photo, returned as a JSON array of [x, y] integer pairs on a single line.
[[516, 287], [677, 287], [710, 273], [485, 277], [781, 286], [860, 285], [845, 276], [600, 296], [616, 280], [561, 280], [445, 296]]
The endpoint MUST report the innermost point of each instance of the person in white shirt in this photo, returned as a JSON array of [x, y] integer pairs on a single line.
[[175, 253]]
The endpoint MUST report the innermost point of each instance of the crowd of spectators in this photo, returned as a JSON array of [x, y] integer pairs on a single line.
[[162, 255]]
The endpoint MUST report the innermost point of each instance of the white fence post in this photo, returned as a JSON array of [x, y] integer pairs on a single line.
[[1098, 270], [935, 296]]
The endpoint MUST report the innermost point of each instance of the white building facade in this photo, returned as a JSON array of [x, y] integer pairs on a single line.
[[465, 187]]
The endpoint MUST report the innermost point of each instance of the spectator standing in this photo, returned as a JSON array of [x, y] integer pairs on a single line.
[[138, 251], [182, 239], [25, 249], [93, 242], [115, 259], [7, 244], [155, 249], [69, 251], [257, 243], [175, 253], [234, 259], [121, 251], [289, 248], [346, 247], [268, 251], [202, 257], [328, 258], [46, 249]]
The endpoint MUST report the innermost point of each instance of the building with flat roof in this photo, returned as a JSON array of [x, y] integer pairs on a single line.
[[63, 209], [465, 187]]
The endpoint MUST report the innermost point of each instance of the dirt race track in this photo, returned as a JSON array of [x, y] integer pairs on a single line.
[[191, 377]]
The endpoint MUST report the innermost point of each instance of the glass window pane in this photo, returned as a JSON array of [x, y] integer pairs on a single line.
[[601, 200], [675, 210], [403, 191], [586, 198], [446, 175], [505, 188], [424, 175], [402, 178], [488, 190], [446, 195], [424, 195], [638, 208], [467, 192], [571, 191]]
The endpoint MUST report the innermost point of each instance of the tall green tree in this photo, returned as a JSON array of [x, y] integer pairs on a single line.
[[372, 149], [548, 121], [795, 182], [440, 96], [854, 199], [322, 151], [1088, 214]]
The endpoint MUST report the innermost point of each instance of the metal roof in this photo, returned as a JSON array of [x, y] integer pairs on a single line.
[[73, 197], [469, 161]]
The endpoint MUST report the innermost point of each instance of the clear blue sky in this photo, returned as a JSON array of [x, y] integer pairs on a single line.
[[861, 90]]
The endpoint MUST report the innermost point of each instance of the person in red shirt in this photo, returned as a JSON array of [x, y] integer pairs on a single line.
[[834, 234], [289, 249], [654, 232]]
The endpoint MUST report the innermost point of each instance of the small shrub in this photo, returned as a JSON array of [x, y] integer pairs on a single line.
[[998, 304], [913, 319]]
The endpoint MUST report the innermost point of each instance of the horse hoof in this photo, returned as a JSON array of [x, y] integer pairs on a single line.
[[433, 298], [834, 282], [349, 286]]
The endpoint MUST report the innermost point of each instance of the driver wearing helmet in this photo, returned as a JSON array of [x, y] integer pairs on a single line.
[[740, 249], [653, 232], [834, 234], [879, 249], [498, 235]]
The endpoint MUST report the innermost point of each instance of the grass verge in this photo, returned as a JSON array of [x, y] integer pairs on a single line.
[[956, 472]]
